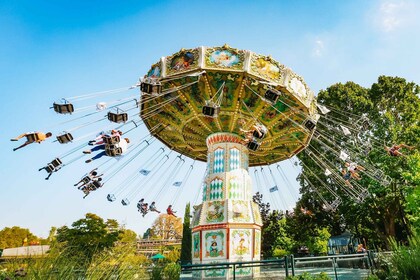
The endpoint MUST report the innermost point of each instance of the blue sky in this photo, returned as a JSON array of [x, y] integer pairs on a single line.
[[53, 50]]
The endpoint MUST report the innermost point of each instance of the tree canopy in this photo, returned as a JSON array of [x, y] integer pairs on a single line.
[[88, 235], [392, 108]]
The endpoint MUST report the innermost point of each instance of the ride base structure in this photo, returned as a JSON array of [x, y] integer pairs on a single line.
[[227, 225], [205, 103]]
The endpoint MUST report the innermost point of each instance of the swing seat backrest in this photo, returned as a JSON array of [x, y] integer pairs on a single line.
[[110, 140], [271, 96], [309, 124], [117, 118], [113, 151], [32, 137], [56, 162], [257, 135], [86, 179], [253, 145], [50, 168], [125, 202], [64, 138], [211, 111], [151, 88], [63, 108], [111, 197]]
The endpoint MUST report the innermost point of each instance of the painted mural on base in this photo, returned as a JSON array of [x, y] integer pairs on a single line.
[[215, 212], [241, 243], [214, 244], [196, 245]]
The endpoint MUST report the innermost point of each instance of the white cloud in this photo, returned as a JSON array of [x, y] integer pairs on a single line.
[[395, 15], [319, 48]]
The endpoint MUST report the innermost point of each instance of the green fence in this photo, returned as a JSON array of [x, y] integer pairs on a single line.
[[340, 267]]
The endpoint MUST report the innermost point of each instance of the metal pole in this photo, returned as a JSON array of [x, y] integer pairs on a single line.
[[292, 261], [335, 267], [286, 265], [234, 271]]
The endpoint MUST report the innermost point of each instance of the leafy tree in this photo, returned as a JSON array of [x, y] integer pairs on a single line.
[[319, 243], [88, 236], [275, 240], [166, 227], [16, 237], [127, 236], [393, 109], [186, 255]]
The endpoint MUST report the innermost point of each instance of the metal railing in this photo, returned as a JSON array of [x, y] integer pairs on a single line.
[[352, 266]]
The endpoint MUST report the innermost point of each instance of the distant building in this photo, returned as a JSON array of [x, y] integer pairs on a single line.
[[25, 252]]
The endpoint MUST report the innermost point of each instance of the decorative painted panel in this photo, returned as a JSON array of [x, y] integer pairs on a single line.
[[219, 160], [234, 159], [215, 212], [236, 188], [256, 213], [196, 245], [216, 189], [214, 244], [266, 67], [224, 58], [204, 191], [241, 244], [155, 71], [257, 245], [182, 61], [241, 211]]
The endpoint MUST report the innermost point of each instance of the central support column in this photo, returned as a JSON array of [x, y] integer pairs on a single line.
[[227, 225]]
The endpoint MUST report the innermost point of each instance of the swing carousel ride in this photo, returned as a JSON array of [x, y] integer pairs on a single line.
[[233, 109]]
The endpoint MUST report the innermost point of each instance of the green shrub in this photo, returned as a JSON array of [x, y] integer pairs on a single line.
[[156, 273], [404, 261], [172, 271]]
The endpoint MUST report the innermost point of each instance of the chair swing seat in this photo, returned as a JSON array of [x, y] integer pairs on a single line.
[[86, 179], [125, 202], [66, 108], [113, 151], [211, 111], [111, 197], [117, 117], [32, 137], [94, 185], [110, 140], [271, 96], [309, 124], [56, 162], [151, 88], [257, 135], [64, 138], [253, 145], [50, 168]]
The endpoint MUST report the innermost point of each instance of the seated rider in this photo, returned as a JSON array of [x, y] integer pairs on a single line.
[[353, 168], [144, 209], [169, 211], [123, 144], [139, 204], [92, 186], [31, 137], [346, 176], [394, 150], [152, 207], [88, 178], [100, 139], [260, 129]]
